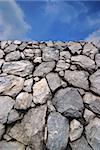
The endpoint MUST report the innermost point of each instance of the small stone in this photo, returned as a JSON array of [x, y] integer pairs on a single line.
[[36, 79], [69, 102], [76, 129], [84, 61], [92, 131], [81, 91], [2, 130], [49, 43], [95, 82], [81, 144], [13, 56], [44, 68], [54, 81], [50, 54], [38, 60], [62, 65], [1, 53], [29, 53], [37, 52], [88, 115], [97, 59], [58, 131], [22, 46], [10, 48], [65, 55], [10, 85], [11, 145], [3, 44], [41, 92], [61, 73], [50, 106], [77, 78], [23, 101], [64, 84], [6, 104], [28, 85], [21, 68], [75, 47], [13, 116], [1, 62], [73, 67], [17, 42]]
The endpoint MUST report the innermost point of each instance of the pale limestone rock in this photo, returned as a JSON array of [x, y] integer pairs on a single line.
[[88, 115], [75, 47], [28, 85], [1, 53], [13, 56], [2, 130]]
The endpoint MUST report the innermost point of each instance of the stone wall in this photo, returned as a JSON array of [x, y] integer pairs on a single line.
[[49, 96]]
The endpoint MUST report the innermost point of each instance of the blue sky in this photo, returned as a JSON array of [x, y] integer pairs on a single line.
[[49, 20]]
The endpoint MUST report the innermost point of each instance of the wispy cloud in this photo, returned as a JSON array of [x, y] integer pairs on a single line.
[[12, 23], [94, 36]]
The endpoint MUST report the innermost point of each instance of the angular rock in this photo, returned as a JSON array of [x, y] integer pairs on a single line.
[[50, 54], [62, 65], [10, 48], [65, 55], [95, 82], [28, 85], [13, 56], [88, 115], [1, 62], [44, 68], [30, 130], [41, 92], [54, 81], [21, 68], [58, 131], [6, 104], [69, 102], [97, 59], [93, 101], [1, 53], [29, 53], [3, 44], [10, 85], [11, 146], [92, 131], [84, 61], [81, 144], [2, 130], [77, 78], [76, 129], [38, 60], [22, 46], [75, 47], [17, 42]]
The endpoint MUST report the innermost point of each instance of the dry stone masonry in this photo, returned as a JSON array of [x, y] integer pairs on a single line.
[[49, 95]]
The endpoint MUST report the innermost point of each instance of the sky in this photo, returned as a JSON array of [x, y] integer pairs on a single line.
[[45, 20]]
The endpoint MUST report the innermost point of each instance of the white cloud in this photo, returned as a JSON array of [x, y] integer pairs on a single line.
[[12, 23]]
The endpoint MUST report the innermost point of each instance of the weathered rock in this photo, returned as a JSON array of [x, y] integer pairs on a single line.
[[93, 133], [54, 81], [28, 85], [10, 48], [75, 47], [58, 131], [37, 52], [81, 144], [62, 65], [95, 82], [13, 56], [97, 59], [44, 68], [17, 42], [38, 60], [76, 129], [1, 62], [10, 85], [21, 68], [3, 44], [69, 102], [50, 106], [65, 55], [50, 54], [41, 92], [77, 78], [93, 101], [1, 53], [29, 53], [13, 116], [30, 130], [11, 146], [2, 130], [23, 101], [22, 46], [6, 104], [84, 61], [88, 115]]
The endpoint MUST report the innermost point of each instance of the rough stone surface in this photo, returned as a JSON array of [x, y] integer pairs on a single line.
[[10, 48], [13, 56], [1, 53], [75, 47], [97, 59], [41, 92], [69, 102], [57, 125], [28, 85], [2, 130]]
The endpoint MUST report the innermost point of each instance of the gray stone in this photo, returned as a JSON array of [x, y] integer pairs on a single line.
[[93, 101], [92, 131], [65, 55], [41, 92], [58, 131], [22, 46], [13, 56], [6, 104], [37, 52], [1, 53], [76, 129], [30, 130], [62, 65], [3, 44], [10, 85], [11, 146], [88, 115], [17, 42], [50, 106], [10, 48], [95, 82], [81, 144], [21, 68], [69, 102], [38, 60], [2, 130], [50, 54], [84, 61], [75, 47], [44, 68], [29, 53], [28, 85], [54, 81], [23, 101], [97, 59], [1, 62], [77, 78]]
